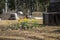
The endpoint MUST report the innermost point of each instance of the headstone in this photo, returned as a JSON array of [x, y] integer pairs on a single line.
[[20, 12], [14, 16]]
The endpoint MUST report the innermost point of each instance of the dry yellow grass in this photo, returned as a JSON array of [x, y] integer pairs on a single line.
[[8, 22], [42, 33]]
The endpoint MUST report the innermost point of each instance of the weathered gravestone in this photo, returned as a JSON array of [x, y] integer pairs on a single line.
[[13, 16], [52, 17]]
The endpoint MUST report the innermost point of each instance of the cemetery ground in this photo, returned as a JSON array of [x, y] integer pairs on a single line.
[[38, 33]]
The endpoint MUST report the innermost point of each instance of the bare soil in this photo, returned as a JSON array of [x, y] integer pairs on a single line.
[[41, 33]]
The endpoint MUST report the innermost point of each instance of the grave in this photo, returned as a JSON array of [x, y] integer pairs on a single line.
[[13, 16]]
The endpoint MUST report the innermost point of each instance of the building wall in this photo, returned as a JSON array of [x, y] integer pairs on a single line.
[[54, 0], [53, 13]]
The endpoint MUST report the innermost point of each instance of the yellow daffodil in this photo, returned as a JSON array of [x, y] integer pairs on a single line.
[[33, 20], [27, 20]]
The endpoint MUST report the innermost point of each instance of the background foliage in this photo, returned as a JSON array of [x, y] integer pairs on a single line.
[[24, 5]]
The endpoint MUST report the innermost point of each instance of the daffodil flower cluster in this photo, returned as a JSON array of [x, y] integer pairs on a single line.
[[27, 20]]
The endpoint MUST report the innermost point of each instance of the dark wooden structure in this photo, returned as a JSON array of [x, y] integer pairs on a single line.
[[52, 16]]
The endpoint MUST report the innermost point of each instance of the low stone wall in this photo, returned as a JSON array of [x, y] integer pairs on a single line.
[[37, 14]]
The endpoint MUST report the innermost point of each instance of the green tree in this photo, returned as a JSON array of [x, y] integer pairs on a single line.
[[37, 5], [2, 5], [11, 4], [44, 4]]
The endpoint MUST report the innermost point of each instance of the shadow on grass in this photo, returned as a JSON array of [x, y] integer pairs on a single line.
[[56, 31]]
